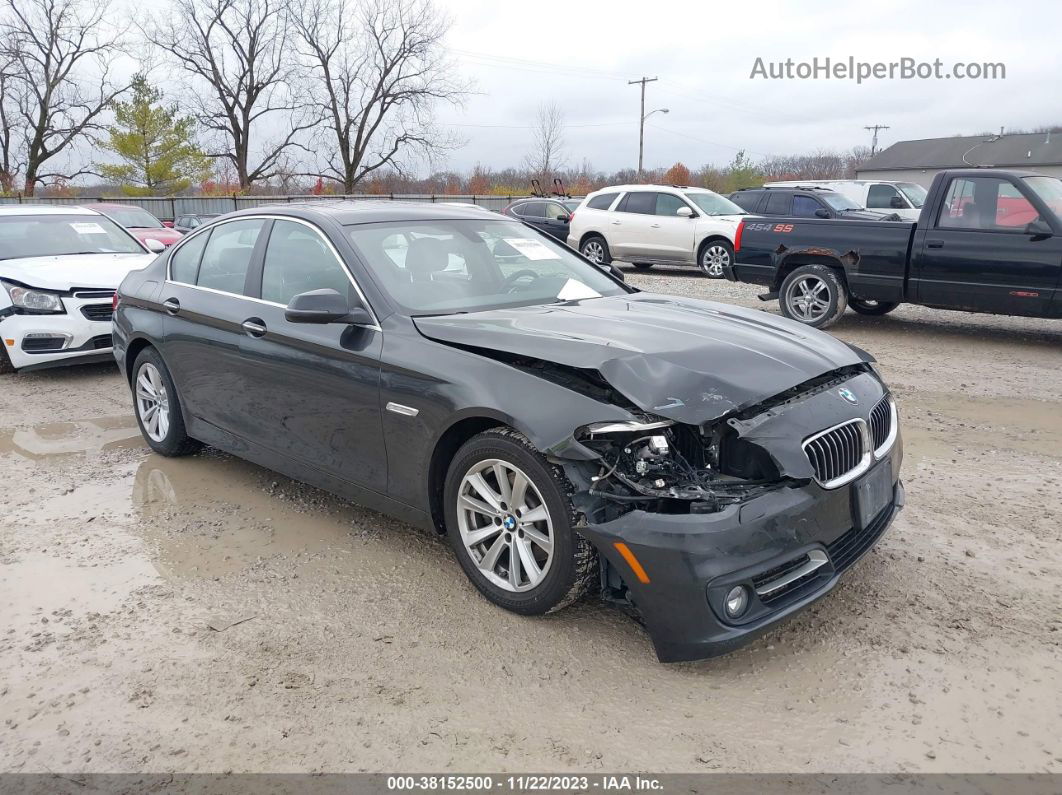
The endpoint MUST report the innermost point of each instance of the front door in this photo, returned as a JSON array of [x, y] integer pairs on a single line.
[[313, 390], [977, 254]]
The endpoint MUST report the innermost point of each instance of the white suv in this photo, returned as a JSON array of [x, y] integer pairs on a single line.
[[59, 268], [648, 225]]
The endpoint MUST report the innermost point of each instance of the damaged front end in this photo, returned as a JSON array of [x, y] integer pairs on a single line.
[[691, 518]]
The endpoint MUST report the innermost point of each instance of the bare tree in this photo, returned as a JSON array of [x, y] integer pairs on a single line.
[[379, 70], [547, 143], [239, 55], [58, 55], [10, 122]]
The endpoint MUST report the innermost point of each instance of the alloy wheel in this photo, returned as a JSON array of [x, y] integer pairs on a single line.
[[808, 298], [505, 525], [152, 402], [714, 259], [594, 252]]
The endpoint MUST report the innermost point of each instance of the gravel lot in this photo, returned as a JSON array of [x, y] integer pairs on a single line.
[[203, 614]]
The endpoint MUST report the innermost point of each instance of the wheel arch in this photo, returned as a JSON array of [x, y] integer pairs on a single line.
[[446, 447], [794, 261], [713, 237], [587, 235], [132, 350]]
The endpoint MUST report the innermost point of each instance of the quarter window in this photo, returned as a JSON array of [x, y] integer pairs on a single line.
[[227, 256], [185, 262], [602, 202], [297, 260]]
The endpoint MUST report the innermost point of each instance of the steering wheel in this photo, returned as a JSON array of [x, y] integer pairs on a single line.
[[511, 279]]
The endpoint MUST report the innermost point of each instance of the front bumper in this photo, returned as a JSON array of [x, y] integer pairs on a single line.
[[33, 341], [692, 560]]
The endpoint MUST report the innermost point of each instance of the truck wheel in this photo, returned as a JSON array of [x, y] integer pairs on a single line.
[[868, 307], [510, 520], [714, 257], [595, 249], [813, 295], [642, 266]]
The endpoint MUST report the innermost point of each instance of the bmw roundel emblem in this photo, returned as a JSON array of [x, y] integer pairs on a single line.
[[848, 395]]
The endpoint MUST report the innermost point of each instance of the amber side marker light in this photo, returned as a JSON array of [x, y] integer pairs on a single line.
[[10, 343], [632, 561]]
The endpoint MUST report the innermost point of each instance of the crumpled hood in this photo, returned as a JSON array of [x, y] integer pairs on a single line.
[[73, 270], [687, 360]]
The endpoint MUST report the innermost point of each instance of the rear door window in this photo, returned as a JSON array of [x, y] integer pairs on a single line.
[[227, 256], [641, 202], [778, 203]]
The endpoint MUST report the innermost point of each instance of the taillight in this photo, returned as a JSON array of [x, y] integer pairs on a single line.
[[737, 236], [114, 302]]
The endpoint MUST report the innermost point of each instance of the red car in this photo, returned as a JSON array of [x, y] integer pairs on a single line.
[[141, 224]]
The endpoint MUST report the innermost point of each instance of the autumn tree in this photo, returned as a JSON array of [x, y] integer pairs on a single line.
[[56, 58], [154, 145], [678, 174]]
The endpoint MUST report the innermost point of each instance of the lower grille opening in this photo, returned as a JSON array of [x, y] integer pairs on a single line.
[[101, 341], [846, 549], [42, 344]]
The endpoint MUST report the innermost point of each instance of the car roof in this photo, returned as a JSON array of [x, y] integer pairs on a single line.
[[643, 186], [113, 206], [368, 211], [45, 209]]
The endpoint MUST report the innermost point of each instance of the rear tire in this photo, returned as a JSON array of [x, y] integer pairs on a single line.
[[547, 579], [595, 249], [813, 295], [642, 266], [158, 408], [865, 307]]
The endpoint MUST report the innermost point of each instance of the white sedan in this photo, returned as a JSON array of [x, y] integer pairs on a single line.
[[59, 268]]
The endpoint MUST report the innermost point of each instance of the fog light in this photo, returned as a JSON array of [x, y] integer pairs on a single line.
[[736, 601]]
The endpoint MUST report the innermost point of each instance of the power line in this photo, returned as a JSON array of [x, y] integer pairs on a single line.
[[874, 141]]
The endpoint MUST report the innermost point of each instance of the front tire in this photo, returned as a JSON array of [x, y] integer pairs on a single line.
[[715, 255], [642, 266], [813, 295], [5, 363], [158, 408], [595, 249], [867, 307], [510, 520]]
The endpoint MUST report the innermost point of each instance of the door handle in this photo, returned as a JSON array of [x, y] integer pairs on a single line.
[[934, 244], [616, 223], [172, 305], [654, 226], [254, 326]]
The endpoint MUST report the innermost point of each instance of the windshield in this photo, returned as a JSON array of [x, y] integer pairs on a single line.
[[57, 235], [838, 201], [713, 204], [447, 267], [1050, 190], [914, 192], [133, 218]]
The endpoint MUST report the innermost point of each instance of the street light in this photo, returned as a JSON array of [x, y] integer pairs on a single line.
[[641, 135]]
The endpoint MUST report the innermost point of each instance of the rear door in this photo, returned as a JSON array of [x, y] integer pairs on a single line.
[[312, 390], [778, 203], [206, 298], [978, 256], [629, 227]]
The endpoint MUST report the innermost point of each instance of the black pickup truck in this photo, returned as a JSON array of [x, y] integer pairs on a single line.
[[988, 240]]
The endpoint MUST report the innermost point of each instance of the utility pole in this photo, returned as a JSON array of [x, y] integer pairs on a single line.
[[874, 142], [641, 119]]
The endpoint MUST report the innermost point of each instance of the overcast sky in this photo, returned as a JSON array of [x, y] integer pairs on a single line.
[[581, 53]]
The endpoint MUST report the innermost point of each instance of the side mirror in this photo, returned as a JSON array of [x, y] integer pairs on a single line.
[[684, 212], [1038, 227], [822, 212], [564, 218], [897, 203], [326, 306], [155, 246]]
